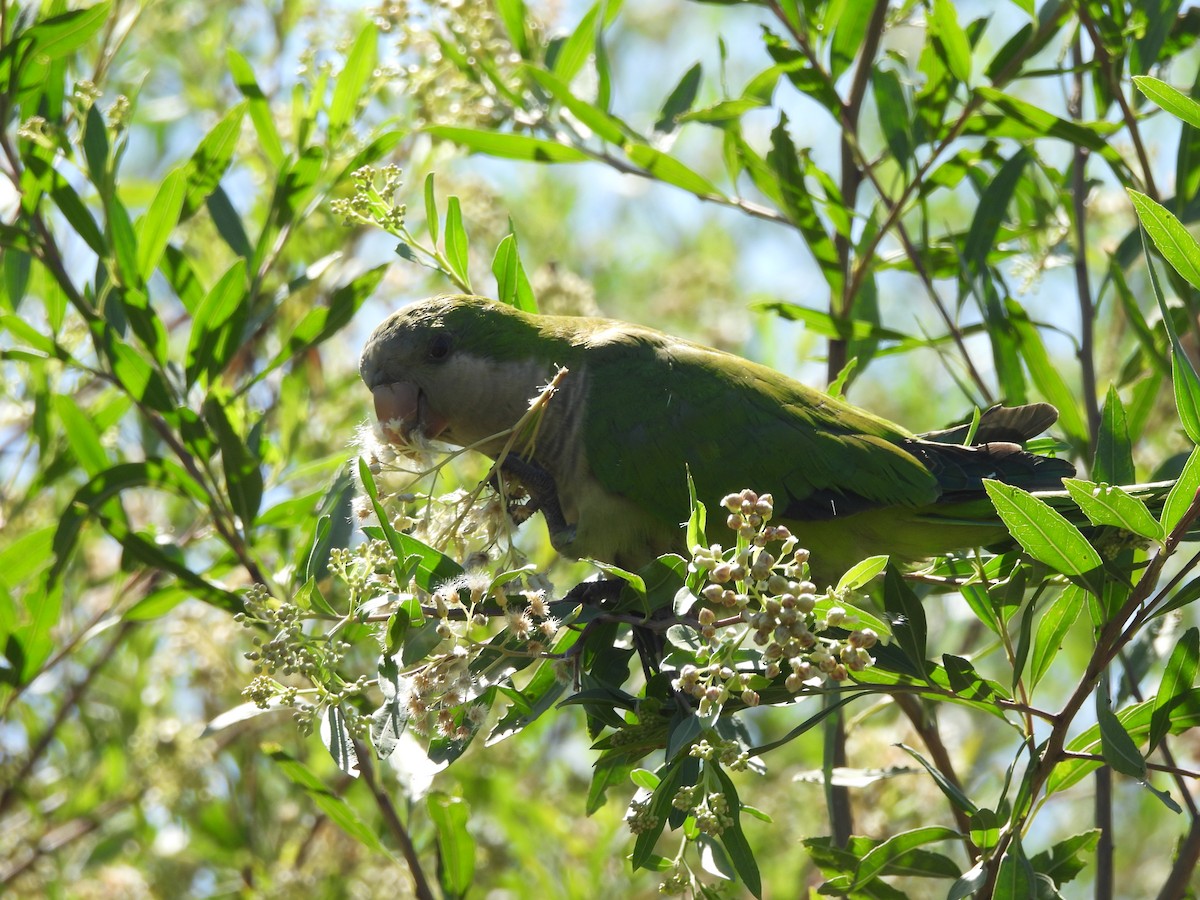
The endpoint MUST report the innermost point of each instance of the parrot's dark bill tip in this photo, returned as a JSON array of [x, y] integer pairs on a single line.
[[402, 409]]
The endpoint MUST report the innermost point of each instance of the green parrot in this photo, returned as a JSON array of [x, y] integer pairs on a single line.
[[637, 410]]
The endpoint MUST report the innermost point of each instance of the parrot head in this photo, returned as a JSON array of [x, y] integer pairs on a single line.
[[456, 369]]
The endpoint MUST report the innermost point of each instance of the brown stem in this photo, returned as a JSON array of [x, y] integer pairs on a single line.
[[1114, 85], [1178, 883], [842, 307], [392, 819], [1083, 286]]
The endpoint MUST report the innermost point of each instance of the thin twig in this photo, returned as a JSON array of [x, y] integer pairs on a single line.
[[392, 819]]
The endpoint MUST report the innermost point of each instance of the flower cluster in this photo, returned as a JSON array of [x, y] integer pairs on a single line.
[[291, 650], [764, 578], [639, 818], [730, 754], [711, 811], [713, 684], [373, 200]]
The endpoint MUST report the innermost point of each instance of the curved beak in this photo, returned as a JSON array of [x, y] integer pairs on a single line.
[[402, 408]]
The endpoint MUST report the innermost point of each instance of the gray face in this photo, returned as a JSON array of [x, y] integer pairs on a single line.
[[425, 384]]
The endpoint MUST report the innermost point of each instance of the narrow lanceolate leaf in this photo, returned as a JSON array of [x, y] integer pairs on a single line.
[[457, 245], [512, 284], [216, 325], [211, 159], [861, 573], [1113, 460], [1172, 239], [1056, 621], [333, 806], [1181, 250], [668, 169], [679, 101], [335, 735], [360, 62], [951, 39], [1173, 101], [578, 47], [456, 847], [431, 210], [1106, 504], [1182, 493], [509, 146], [260, 107], [1177, 681], [1117, 747], [160, 220], [1046, 535], [604, 125]]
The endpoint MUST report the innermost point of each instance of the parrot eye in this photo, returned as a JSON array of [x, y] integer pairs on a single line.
[[439, 346]]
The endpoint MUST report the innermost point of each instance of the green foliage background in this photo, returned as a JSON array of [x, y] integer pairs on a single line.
[[938, 203]]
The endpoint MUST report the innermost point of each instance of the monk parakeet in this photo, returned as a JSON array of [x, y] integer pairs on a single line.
[[637, 410]]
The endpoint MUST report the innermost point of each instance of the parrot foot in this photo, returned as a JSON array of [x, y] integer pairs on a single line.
[[543, 497]]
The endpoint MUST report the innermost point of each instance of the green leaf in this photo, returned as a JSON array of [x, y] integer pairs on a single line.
[[512, 14], [734, 839], [1180, 249], [1047, 374], [679, 101], [1105, 504], [668, 169], [69, 204], [260, 108], [1116, 745], [799, 205], [338, 811], [92, 497], [82, 435], [1046, 535], [989, 214], [211, 160], [1182, 493], [1052, 629], [243, 475], [431, 210], [574, 52], [1135, 720], [512, 284], [456, 847], [432, 566], [352, 80], [1113, 461], [335, 735], [155, 227], [322, 322], [217, 325], [895, 119], [1178, 104], [1061, 863], [57, 36], [907, 618], [605, 126], [1172, 239], [861, 573], [949, 37], [457, 245], [884, 855], [1178, 679], [849, 29]]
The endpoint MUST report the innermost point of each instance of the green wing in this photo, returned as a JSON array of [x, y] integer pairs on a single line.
[[658, 407]]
